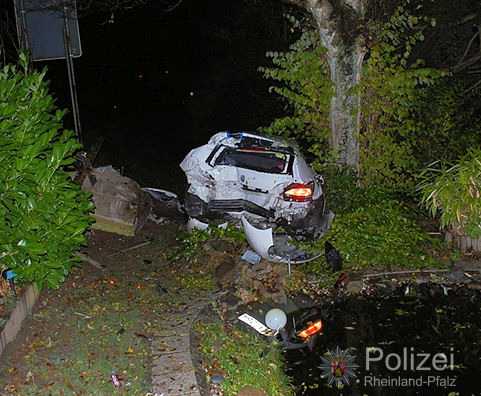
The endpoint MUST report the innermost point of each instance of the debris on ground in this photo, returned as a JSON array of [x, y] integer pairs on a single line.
[[121, 206], [166, 206], [264, 281], [97, 322], [91, 261], [130, 248], [115, 380], [333, 257], [251, 257], [9, 276]]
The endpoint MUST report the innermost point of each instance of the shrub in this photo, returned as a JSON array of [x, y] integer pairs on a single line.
[[372, 228], [455, 193], [380, 234], [43, 214], [394, 89], [410, 114], [302, 82]]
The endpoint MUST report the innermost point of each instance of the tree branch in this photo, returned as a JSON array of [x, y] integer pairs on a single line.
[[467, 63], [467, 18], [472, 87], [298, 3], [468, 48]]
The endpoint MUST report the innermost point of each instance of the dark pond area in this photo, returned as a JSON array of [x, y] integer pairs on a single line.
[[427, 344]]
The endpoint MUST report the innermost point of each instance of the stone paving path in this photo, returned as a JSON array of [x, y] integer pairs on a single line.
[[172, 367]]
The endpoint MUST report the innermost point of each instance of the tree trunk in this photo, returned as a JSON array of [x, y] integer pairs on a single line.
[[345, 67], [338, 28]]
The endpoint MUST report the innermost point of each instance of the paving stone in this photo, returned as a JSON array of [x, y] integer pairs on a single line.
[[175, 343], [166, 333], [165, 364], [175, 384], [172, 369]]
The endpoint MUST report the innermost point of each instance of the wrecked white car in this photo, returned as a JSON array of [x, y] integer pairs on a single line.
[[260, 181]]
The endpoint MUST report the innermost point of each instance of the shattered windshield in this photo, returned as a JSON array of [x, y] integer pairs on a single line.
[[255, 159]]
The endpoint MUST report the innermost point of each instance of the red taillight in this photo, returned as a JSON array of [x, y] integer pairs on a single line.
[[299, 192], [312, 329]]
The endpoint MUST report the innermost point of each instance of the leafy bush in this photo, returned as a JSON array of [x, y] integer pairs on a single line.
[[410, 113], [43, 214], [379, 234], [372, 228], [455, 193], [303, 83], [394, 90]]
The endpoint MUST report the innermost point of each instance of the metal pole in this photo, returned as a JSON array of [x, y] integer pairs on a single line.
[[22, 32], [71, 76]]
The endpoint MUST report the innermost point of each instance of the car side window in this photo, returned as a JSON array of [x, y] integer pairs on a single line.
[[258, 160]]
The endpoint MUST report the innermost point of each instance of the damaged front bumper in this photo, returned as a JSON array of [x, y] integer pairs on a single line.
[[221, 208], [302, 223], [308, 223], [276, 247]]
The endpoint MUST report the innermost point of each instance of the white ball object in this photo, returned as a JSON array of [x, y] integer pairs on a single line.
[[276, 319]]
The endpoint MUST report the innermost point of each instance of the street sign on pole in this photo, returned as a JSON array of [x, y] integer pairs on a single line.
[[49, 30], [41, 25]]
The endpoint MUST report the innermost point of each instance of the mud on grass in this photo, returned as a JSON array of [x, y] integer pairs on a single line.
[[95, 324]]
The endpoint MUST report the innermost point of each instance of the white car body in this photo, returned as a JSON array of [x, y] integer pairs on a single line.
[[246, 175]]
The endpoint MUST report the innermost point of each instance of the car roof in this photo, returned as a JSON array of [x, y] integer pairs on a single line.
[[253, 139]]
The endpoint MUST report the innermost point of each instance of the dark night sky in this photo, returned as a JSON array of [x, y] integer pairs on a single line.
[[156, 85]]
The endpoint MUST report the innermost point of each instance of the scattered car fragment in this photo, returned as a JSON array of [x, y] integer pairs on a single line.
[[261, 182], [291, 336], [165, 205], [120, 204]]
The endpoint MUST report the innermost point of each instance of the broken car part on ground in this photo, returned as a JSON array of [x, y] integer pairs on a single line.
[[263, 183]]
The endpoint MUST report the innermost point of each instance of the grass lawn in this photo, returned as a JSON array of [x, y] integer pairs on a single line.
[[243, 359], [98, 323]]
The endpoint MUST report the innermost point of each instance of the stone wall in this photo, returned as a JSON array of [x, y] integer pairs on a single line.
[[22, 309]]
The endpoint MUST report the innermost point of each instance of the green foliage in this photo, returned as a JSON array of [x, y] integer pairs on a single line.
[[244, 359], [455, 193], [410, 114], [448, 126], [43, 214], [197, 281], [393, 90], [344, 193], [380, 234], [191, 243], [372, 228], [302, 81]]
